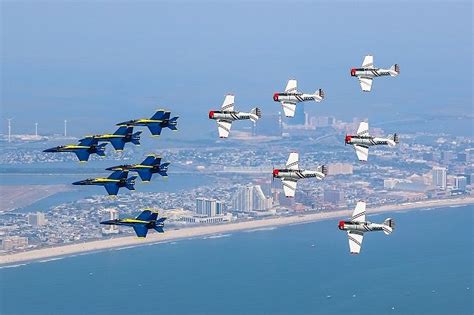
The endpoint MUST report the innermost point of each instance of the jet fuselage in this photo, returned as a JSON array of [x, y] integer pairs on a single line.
[[132, 222], [71, 148], [122, 182]]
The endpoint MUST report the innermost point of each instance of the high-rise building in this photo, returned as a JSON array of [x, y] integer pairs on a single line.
[[460, 183], [333, 196], [439, 177], [299, 118], [36, 219], [111, 229], [269, 125], [251, 198], [209, 207], [340, 169]]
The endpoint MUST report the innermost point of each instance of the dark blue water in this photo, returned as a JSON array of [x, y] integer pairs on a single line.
[[424, 267]]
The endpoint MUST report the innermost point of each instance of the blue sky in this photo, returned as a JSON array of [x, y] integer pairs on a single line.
[[96, 64]]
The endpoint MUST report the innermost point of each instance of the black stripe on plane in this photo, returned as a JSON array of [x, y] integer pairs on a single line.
[[358, 215], [354, 240], [227, 106], [223, 127]]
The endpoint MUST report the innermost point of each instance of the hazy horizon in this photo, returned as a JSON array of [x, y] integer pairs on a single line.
[[96, 64]]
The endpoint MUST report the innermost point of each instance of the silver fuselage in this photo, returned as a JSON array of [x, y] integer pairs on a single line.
[[294, 97], [368, 141], [230, 115], [360, 226], [372, 72], [296, 174]]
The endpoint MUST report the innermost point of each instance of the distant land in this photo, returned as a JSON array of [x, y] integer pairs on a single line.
[[100, 245], [19, 196]]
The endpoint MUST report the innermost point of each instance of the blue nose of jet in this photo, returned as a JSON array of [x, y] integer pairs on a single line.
[[81, 182], [51, 150]]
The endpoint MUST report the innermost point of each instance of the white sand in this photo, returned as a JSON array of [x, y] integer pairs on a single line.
[[65, 250]]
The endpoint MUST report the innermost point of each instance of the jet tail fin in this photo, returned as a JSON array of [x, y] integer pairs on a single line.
[[130, 183], [319, 95], [136, 138], [101, 149], [255, 114], [394, 70], [388, 226], [164, 169], [172, 123]]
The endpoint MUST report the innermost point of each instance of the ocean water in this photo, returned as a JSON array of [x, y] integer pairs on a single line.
[[424, 267]]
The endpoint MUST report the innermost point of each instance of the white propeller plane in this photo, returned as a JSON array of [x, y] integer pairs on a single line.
[[227, 115], [291, 96], [368, 72], [291, 174], [362, 141], [358, 225]]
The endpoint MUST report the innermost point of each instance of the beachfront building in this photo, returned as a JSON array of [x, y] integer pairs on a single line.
[[439, 177], [13, 242], [37, 219], [209, 207], [251, 198]]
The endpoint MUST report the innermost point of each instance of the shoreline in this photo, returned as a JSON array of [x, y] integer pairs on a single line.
[[49, 254]]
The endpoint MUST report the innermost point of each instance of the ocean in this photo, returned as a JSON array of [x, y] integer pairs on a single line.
[[424, 267]]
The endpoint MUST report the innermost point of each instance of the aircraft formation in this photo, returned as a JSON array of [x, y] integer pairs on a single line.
[[124, 134], [289, 176], [361, 142]]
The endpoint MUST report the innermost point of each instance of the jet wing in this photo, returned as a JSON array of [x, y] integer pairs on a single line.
[[117, 143], [289, 187], [155, 128], [82, 155], [355, 241], [147, 215], [141, 230], [145, 174], [292, 163], [359, 212], [289, 108], [363, 129], [118, 175], [291, 86], [112, 188], [88, 141], [223, 127], [368, 62], [365, 84], [228, 104], [362, 152]]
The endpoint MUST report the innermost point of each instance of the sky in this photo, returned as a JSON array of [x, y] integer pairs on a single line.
[[99, 63]]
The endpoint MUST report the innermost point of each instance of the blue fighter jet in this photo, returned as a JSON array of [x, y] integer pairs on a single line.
[[123, 135], [149, 166], [112, 183], [161, 119], [148, 219]]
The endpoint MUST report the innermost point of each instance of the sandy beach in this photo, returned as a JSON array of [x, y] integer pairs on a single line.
[[65, 250]]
